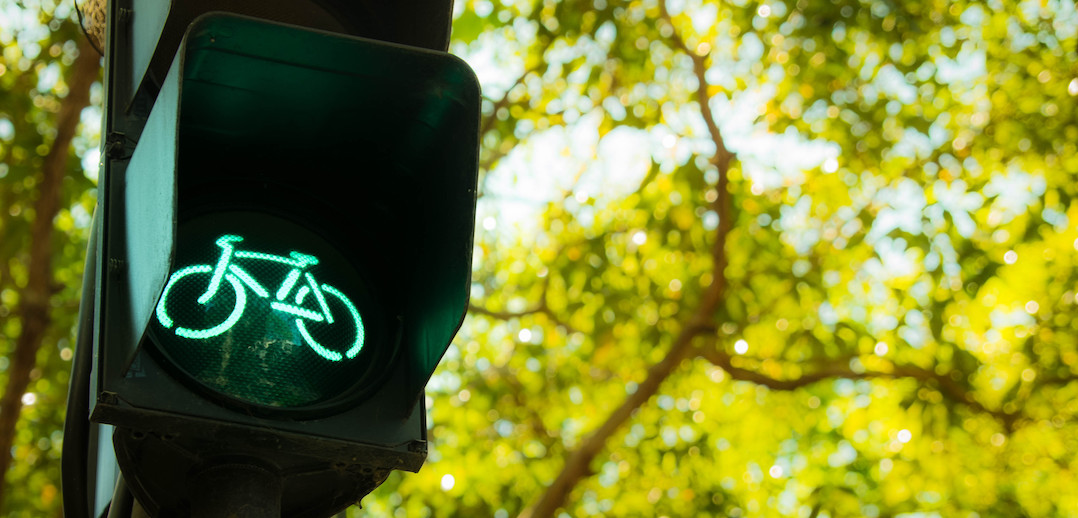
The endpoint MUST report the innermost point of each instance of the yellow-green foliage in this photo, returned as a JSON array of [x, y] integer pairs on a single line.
[[898, 332]]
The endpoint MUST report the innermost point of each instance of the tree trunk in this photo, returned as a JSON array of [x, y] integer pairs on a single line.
[[34, 310]]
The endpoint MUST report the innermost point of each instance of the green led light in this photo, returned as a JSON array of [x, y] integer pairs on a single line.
[[288, 283], [248, 280], [241, 301], [225, 242], [243, 254], [167, 322], [299, 312], [321, 299], [356, 346], [162, 313], [303, 259], [265, 311], [241, 280], [298, 261], [332, 356], [300, 293]]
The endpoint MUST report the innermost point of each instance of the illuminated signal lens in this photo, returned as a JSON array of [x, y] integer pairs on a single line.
[[263, 311]]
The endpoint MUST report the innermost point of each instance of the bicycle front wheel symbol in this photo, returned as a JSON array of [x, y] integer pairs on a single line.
[[344, 330]]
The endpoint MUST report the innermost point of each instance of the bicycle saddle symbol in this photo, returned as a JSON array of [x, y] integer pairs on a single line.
[[311, 291]]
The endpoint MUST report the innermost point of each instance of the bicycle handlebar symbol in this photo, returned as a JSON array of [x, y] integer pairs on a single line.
[[240, 281]]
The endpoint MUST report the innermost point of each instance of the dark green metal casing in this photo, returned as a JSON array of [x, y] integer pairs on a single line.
[[371, 145], [158, 25]]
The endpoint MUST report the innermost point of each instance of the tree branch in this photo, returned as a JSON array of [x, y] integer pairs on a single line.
[[542, 308], [34, 303], [504, 315], [504, 374], [578, 464], [489, 121], [951, 389]]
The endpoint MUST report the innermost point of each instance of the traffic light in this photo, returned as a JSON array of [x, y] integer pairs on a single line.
[[284, 254]]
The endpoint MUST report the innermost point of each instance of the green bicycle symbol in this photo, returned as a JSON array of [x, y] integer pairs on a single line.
[[240, 281]]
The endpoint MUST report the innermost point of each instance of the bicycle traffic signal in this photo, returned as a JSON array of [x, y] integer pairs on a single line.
[[285, 256], [209, 315]]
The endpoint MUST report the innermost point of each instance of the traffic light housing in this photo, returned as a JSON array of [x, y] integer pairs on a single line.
[[286, 257]]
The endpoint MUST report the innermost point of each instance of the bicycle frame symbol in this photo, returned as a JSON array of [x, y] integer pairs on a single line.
[[240, 281]]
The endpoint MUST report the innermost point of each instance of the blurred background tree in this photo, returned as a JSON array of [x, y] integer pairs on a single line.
[[47, 79], [802, 258]]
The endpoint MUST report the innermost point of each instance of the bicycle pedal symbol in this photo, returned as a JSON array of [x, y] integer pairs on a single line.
[[310, 302]]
